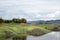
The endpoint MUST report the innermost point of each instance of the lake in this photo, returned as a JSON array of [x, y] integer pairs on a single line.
[[49, 36]]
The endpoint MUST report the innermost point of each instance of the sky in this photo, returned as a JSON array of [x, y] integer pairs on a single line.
[[30, 9]]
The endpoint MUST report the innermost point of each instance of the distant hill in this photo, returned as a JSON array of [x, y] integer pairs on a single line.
[[45, 22], [53, 21]]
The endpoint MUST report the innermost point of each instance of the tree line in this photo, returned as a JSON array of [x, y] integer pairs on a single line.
[[14, 20]]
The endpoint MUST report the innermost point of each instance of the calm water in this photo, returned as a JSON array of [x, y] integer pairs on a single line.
[[49, 36]]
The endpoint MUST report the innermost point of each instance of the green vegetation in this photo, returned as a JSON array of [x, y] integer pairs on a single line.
[[14, 20], [14, 29], [19, 28]]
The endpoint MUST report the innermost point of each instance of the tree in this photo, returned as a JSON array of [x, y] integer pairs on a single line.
[[16, 20], [23, 20], [7, 21], [1, 20]]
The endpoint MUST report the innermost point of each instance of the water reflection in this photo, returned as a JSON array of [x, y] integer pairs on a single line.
[[49, 36]]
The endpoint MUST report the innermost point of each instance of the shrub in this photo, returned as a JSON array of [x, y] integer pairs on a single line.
[[8, 34], [36, 32], [56, 28]]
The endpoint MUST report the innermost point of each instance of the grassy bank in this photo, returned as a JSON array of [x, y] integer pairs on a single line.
[[21, 29]]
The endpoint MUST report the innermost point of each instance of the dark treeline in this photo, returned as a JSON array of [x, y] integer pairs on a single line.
[[14, 20]]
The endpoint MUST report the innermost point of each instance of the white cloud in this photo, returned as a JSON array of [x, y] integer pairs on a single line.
[[33, 9]]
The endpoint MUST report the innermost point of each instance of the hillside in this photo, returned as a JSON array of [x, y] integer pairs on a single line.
[[45, 22]]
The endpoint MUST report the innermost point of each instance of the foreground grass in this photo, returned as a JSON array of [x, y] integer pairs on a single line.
[[21, 29]]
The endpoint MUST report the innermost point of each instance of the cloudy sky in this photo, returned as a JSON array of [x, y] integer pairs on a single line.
[[30, 9]]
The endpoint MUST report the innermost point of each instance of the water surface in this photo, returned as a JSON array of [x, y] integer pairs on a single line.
[[49, 36]]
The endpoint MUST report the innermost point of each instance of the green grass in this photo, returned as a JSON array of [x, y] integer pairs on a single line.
[[47, 26], [20, 28]]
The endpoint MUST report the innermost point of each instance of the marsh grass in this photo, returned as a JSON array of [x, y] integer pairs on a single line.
[[22, 29]]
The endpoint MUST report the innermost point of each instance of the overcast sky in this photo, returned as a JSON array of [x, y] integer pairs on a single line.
[[30, 9]]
